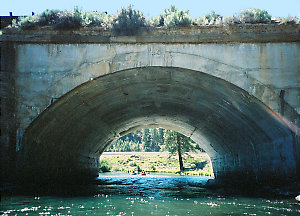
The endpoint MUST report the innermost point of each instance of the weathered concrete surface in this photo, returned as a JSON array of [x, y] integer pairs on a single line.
[[47, 71], [240, 100], [239, 133], [202, 34]]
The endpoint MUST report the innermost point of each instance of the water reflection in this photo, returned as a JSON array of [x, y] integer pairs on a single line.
[[153, 185], [123, 194]]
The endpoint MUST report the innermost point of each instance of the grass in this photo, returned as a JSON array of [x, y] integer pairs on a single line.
[[195, 164]]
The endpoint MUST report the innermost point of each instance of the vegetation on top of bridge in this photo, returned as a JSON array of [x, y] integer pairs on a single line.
[[128, 21]]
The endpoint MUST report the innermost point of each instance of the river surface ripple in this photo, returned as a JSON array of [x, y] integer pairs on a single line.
[[123, 194]]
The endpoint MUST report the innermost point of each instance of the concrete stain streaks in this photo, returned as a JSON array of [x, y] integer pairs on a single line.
[[224, 95]]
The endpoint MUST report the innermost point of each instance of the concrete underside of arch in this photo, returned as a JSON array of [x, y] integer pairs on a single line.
[[245, 140]]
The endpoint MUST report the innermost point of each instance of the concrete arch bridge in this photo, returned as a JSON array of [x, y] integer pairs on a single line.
[[67, 95]]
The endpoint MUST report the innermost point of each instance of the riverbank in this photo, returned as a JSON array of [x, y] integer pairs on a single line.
[[158, 162]]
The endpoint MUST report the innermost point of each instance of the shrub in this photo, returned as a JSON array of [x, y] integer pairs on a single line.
[[230, 20], [49, 17], [193, 166], [108, 21], [128, 21], [104, 166], [198, 21], [156, 21], [254, 16], [287, 20], [56, 18], [116, 169], [153, 168], [132, 164], [208, 19], [174, 17], [93, 18], [139, 169], [26, 22], [212, 18], [69, 20]]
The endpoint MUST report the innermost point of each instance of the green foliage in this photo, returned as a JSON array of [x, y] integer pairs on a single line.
[[254, 16], [116, 169], [287, 20], [128, 21], [208, 19], [156, 21], [197, 173], [69, 20], [161, 132], [147, 140], [92, 19], [49, 17], [157, 162], [212, 17], [139, 169], [175, 142], [55, 18], [200, 164], [173, 17], [155, 140], [230, 20], [124, 146], [132, 164], [104, 166], [25, 23], [197, 147]]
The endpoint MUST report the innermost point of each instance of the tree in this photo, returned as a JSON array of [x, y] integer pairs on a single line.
[[147, 140], [161, 132], [177, 143], [155, 140]]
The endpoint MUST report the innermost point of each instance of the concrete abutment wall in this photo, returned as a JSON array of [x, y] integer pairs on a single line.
[[8, 156]]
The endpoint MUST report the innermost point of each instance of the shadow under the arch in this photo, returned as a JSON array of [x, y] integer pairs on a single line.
[[93, 113]]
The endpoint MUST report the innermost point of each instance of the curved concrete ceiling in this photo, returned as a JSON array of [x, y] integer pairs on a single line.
[[231, 125]]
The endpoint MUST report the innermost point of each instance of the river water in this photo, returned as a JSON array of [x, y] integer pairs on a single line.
[[123, 194]]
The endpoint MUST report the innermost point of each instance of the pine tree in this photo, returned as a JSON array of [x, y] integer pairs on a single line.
[[147, 140], [161, 136], [155, 140], [177, 143]]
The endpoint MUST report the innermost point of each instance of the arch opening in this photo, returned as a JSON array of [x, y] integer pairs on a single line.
[[156, 150], [240, 134]]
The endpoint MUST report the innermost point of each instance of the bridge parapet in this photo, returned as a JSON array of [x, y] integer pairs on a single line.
[[246, 33]]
